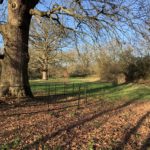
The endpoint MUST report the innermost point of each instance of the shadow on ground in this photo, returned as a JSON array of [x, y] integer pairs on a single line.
[[81, 122], [58, 99]]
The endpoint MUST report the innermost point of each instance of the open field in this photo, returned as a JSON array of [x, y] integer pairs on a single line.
[[73, 79], [112, 118], [92, 87]]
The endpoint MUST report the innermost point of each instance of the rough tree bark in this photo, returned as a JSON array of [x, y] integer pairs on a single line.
[[14, 74]]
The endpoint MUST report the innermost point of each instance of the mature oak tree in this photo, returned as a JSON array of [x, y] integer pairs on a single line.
[[98, 15], [14, 74]]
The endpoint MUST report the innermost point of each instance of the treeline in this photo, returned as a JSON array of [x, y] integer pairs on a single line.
[[118, 65], [125, 66], [111, 61]]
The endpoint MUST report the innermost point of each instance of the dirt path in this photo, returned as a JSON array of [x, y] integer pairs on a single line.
[[96, 125]]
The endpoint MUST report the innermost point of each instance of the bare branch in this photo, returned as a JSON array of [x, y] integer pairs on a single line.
[[60, 10], [2, 27], [44, 13]]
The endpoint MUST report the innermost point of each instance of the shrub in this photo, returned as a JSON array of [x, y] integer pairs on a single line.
[[139, 69]]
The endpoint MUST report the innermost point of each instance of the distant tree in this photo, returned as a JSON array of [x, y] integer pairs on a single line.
[[106, 59], [138, 69], [124, 61], [45, 42], [82, 62]]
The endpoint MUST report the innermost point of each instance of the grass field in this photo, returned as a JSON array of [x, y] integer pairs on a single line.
[[92, 87]]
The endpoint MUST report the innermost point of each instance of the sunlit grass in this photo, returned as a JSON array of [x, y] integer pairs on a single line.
[[66, 80], [128, 92], [106, 91]]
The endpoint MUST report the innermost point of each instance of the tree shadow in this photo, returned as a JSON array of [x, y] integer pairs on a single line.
[[53, 112], [105, 89], [98, 89], [3, 104], [82, 88], [132, 131], [146, 144], [36, 112], [72, 125], [37, 101], [47, 110]]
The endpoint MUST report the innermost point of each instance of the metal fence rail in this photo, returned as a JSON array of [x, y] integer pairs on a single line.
[[58, 89], [55, 90]]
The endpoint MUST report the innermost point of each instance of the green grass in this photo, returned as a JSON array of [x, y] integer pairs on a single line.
[[128, 92], [106, 91], [61, 80]]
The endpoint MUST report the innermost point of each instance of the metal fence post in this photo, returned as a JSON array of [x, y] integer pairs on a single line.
[[66, 92], [49, 86], [88, 91], [73, 89], [64, 89], [37, 147], [43, 147], [79, 96], [86, 94], [49, 91], [55, 89]]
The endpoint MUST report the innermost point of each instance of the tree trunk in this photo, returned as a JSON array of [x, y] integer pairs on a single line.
[[45, 66], [44, 75], [14, 74], [45, 70]]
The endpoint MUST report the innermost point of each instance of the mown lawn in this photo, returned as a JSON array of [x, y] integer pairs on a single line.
[[127, 92], [107, 91]]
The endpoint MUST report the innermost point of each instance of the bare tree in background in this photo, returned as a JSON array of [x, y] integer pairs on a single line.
[[45, 42], [94, 16], [82, 64]]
